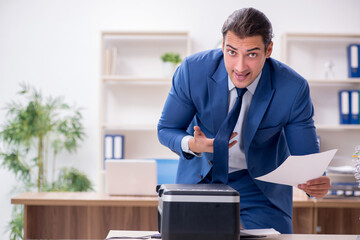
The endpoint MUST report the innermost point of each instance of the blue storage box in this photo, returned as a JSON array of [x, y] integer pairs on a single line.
[[166, 170]]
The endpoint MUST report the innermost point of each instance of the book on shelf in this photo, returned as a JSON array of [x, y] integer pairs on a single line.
[[349, 110], [344, 104], [354, 104], [110, 61], [113, 147], [108, 147], [353, 52]]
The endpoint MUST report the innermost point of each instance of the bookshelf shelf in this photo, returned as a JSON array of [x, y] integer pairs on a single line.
[[137, 80], [133, 89], [338, 127], [334, 81], [150, 127], [348, 175], [145, 35]]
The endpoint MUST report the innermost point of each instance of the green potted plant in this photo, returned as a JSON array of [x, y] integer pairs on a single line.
[[34, 133], [170, 61]]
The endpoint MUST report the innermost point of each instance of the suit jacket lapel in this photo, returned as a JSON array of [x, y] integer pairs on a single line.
[[258, 106], [218, 95]]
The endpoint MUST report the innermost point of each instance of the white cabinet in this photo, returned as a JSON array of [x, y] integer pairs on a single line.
[[322, 60], [134, 86]]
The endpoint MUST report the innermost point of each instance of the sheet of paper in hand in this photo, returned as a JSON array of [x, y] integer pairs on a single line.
[[299, 169]]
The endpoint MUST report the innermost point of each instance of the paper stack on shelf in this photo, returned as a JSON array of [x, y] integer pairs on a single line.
[[343, 190], [341, 169], [340, 188]]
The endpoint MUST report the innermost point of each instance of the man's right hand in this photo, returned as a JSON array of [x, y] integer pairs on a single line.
[[200, 143]]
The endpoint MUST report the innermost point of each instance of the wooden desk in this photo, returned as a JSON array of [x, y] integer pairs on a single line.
[[50, 215], [328, 216], [113, 233], [303, 216], [91, 215], [346, 215], [311, 237]]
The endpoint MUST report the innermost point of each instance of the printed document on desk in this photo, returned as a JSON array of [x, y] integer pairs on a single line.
[[299, 169], [120, 234], [258, 232]]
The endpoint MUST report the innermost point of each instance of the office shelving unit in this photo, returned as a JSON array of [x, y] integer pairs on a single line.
[[134, 88], [311, 55]]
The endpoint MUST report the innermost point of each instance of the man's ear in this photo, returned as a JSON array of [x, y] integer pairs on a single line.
[[269, 50], [222, 44]]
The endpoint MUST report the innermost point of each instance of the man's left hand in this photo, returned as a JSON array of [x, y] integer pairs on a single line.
[[317, 187]]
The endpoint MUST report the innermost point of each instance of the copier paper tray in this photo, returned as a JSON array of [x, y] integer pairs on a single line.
[[198, 212]]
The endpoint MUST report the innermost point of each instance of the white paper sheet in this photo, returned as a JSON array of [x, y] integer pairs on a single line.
[[259, 232], [299, 169], [130, 234]]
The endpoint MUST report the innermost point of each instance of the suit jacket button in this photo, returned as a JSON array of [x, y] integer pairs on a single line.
[[200, 176], [210, 163]]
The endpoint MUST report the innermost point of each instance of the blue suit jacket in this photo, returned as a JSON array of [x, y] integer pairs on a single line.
[[279, 121]]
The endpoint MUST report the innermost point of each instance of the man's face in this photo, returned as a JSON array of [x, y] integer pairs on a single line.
[[244, 58]]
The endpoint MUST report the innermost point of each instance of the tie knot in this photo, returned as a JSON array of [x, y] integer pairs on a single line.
[[241, 91]]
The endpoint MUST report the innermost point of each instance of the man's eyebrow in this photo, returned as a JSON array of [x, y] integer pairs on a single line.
[[253, 49], [228, 45], [249, 50]]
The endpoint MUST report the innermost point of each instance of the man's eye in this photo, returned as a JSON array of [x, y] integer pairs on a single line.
[[231, 52], [252, 55]]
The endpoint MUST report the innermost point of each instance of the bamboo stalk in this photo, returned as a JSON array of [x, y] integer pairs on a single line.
[[40, 163]]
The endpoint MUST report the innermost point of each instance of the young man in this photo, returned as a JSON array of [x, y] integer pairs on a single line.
[[273, 119]]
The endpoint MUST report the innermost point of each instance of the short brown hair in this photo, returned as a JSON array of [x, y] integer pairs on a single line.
[[248, 22]]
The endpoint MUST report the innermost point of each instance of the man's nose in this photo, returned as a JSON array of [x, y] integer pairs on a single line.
[[240, 64]]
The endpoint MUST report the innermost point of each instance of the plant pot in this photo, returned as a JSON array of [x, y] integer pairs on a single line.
[[168, 69]]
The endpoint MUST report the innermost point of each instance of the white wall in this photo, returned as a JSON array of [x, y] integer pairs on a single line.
[[54, 45]]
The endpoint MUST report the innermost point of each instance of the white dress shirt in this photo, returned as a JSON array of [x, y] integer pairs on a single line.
[[237, 159]]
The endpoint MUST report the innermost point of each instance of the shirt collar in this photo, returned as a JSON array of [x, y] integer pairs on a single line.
[[251, 88]]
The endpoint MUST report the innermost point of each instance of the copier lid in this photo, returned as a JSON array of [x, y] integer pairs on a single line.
[[198, 193]]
